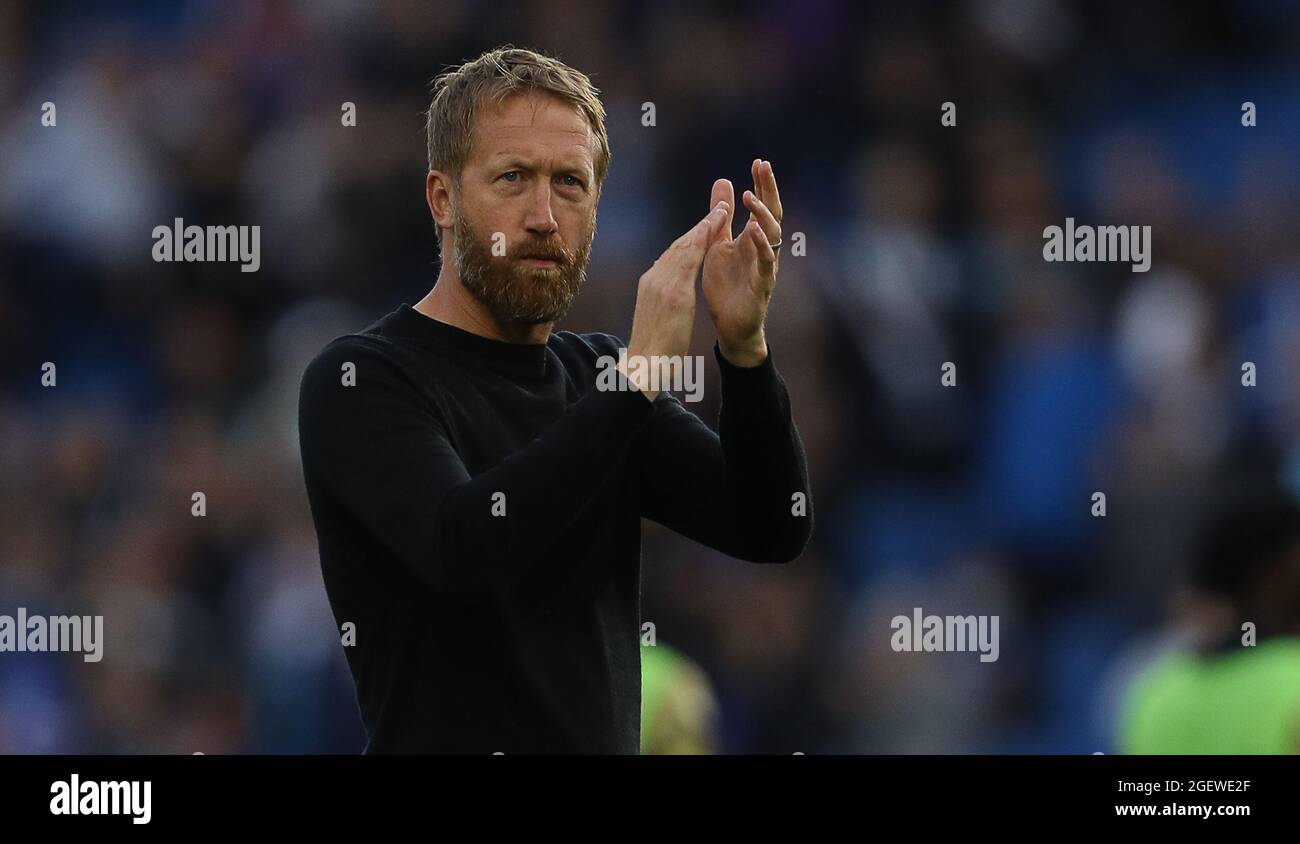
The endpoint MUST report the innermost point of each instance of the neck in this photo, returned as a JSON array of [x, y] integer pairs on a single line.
[[451, 303]]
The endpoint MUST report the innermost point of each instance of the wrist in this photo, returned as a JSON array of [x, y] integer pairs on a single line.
[[747, 354], [638, 377]]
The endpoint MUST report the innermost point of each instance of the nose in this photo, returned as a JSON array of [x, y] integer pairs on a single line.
[[540, 220]]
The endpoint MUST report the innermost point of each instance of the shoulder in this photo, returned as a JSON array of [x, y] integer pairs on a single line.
[[584, 352], [368, 364], [595, 343], [334, 358]]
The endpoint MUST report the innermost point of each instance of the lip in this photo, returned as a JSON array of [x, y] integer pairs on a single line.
[[541, 262]]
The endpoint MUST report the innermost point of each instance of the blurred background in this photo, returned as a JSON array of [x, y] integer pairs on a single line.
[[924, 245]]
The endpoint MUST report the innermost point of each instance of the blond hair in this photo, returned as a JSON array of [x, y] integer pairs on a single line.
[[490, 79]]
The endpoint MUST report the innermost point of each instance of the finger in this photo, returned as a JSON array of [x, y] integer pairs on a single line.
[[763, 215], [724, 191], [707, 230], [754, 233], [768, 192]]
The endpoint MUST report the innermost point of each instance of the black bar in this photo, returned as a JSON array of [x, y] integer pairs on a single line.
[[212, 793]]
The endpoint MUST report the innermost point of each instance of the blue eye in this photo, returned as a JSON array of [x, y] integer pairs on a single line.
[[507, 175]]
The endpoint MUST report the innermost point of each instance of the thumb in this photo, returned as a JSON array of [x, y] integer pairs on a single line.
[[723, 191], [709, 228]]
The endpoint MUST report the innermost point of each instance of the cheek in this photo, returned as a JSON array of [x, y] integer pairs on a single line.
[[576, 224], [491, 210], [486, 219]]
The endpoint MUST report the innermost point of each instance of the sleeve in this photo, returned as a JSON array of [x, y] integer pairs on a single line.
[[743, 491], [381, 450]]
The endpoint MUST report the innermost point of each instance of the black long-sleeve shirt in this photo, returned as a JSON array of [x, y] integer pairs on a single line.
[[478, 504]]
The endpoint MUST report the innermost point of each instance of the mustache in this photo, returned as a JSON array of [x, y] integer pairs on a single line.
[[550, 249]]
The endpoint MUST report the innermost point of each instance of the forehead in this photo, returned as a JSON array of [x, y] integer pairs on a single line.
[[534, 126]]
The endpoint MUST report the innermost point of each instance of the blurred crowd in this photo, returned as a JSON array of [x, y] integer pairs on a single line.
[[923, 246]]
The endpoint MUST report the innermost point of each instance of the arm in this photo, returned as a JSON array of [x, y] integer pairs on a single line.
[[743, 491], [381, 450], [734, 492]]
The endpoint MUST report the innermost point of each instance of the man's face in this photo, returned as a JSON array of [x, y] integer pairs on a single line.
[[526, 211]]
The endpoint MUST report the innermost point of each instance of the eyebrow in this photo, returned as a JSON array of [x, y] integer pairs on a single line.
[[515, 160]]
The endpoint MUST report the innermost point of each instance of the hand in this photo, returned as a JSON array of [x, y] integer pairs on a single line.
[[740, 273], [665, 300]]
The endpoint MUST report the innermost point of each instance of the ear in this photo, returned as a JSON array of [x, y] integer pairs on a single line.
[[437, 192]]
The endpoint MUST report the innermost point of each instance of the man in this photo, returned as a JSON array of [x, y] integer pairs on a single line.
[[1238, 691], [477, 492]]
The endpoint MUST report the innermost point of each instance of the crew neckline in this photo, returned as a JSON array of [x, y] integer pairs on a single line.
[[524, 359]]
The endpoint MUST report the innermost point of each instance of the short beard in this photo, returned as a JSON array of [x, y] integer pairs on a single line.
[[512, 291]]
